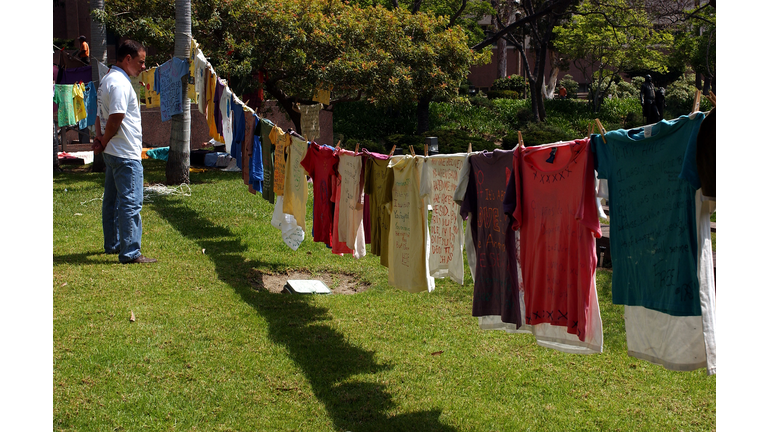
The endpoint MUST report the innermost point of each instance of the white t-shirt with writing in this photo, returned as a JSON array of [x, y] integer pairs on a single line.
[[439, 180]]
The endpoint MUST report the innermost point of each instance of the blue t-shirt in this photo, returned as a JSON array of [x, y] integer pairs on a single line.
[[652, 183], [170, 86], [256, 167], [91, 104]]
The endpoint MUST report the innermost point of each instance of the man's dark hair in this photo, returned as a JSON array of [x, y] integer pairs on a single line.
[[129, 47]]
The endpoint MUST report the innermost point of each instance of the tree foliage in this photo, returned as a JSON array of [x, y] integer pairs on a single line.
[[608, 37], [385, 55]]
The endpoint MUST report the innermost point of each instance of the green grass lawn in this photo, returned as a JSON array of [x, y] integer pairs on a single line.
[[209, 352]]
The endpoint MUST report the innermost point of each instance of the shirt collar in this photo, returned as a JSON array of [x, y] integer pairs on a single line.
[[117, 68]]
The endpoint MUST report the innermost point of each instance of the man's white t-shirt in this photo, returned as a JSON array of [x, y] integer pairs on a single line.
[[116, 95]]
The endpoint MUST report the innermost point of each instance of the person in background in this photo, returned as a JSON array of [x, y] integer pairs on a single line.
[[118, 136], [85, 51], [563, 92]]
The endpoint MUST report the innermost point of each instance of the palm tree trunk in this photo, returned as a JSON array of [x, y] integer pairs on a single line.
[[177, 166], [98, 46]]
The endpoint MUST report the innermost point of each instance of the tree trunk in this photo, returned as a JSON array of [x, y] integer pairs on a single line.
[[501, 56], [422, 114], [98, 46], [177, 167]]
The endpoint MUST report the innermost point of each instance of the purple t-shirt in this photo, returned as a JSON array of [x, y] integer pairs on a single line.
[[496, 290]]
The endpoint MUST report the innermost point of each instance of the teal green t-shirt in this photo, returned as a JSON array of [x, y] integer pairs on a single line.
[[63, 98], [652, 183]]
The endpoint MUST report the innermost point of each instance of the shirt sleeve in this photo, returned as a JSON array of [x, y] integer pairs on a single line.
[[587, 211], [118, 99]]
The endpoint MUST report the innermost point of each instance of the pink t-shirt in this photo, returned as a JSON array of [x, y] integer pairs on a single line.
[[558, 223]]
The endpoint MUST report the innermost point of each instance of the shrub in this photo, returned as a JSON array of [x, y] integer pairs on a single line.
[[512, 82], [571, 86], [503, 94]]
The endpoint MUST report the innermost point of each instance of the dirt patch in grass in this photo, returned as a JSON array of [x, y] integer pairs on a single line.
[[339, 283]]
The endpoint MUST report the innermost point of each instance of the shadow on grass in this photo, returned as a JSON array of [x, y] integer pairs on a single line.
[[326, 358], [97, 257]]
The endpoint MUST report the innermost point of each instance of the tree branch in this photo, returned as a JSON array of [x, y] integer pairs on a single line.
[[530, 17]]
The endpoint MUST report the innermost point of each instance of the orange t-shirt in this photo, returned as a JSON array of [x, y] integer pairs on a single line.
[[85, 51]]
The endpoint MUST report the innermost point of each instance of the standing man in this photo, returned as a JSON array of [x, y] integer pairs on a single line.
[[118, 135], [85, 52], [647, 101]]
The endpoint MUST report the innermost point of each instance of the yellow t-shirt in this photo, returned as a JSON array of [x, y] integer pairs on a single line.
[[295, 198], [78, 101], [210, 111], [148, 78], [408, 229], [281, 141]]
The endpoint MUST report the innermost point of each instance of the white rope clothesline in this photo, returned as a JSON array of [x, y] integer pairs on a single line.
[[155, 190]]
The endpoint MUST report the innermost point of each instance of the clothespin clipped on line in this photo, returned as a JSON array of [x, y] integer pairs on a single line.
[[696, 102], [590, 129], [413, 153], [711, 98], [392, 152], [601, 129], [426, 150], [469, 148], [357, 147], [520, 139]]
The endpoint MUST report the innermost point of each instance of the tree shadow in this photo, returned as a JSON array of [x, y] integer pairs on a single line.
[[325, 356]]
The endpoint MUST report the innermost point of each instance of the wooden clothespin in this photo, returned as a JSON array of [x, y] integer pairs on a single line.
[[696, 102], [426, 150], [392, 152], [601, 129], [711, 98], [357, 147], [469, 148], [413, 153], [520, 139]]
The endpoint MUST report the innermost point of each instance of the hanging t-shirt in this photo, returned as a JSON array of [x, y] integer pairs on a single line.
[[217, 93], [376, 173], [652, 182], [706, 155], [268, 157], [238, 130], [321, 163], [225, 105], [256, 168], [439, 180], [78, 101], [210, 110], [171, 87], [295, 191], [151, 97], [408, 230], [680, 343], [351, 202], [200, 65], [495, 290], [280, 141], [557, 218], [91, 104], [290, 230], [337, 247], [63, 98]]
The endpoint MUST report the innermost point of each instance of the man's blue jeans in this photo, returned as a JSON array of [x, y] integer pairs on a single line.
[[120, 210]]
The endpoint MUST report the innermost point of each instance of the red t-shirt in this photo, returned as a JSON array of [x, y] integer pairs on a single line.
[[557, 217], [320, 163]]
